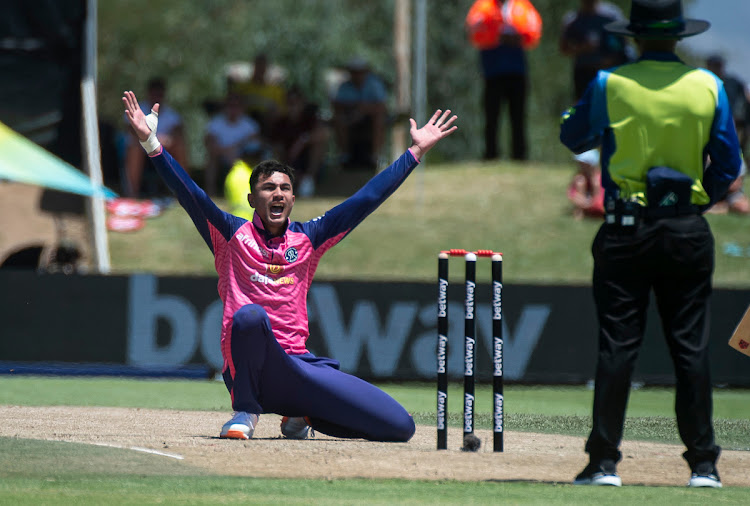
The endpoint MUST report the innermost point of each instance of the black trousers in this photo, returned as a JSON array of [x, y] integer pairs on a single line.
[[509, 89], [674, 257]]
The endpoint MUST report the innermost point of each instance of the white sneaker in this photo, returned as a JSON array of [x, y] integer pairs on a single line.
[[603, 473], [705, 475], [295, 427], [241, 426], [711, 481]]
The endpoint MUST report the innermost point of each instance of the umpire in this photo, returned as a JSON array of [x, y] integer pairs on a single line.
[[669, 150]]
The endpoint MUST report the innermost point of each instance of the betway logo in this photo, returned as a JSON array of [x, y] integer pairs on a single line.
[[469, 356], [381, 339], [497, 357], [442, 345], [498, 416], [441, 401], [260, 278], [364, 335], [470, 286], [497, 300], [468, 412], [442, 297]]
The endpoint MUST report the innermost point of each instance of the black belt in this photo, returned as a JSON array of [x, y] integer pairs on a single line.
[[628, 214]]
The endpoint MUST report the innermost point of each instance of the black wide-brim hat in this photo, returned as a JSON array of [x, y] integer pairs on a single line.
[[657, 19]]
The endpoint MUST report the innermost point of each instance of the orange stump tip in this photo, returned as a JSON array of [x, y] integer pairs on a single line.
[[495, 255]]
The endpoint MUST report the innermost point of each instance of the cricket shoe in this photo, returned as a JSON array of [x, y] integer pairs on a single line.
[[601, 473], [241, 426], [705, 475], [296, 427]]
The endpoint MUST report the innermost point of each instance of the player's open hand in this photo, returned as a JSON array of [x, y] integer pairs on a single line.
[[135, 115], [437, 128]]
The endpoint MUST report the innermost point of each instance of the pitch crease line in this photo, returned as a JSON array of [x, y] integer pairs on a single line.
[[141, 449]]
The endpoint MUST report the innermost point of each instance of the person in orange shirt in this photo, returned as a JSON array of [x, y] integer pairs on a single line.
[[502, 31]]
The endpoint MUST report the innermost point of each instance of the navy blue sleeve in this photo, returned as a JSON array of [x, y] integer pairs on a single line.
[[194, 200], [582, 126], [723, 149], [347, 215]]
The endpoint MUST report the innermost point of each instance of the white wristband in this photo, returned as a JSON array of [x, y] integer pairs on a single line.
[[152, 143]]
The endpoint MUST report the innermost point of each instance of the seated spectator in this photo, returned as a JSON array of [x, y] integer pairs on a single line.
[[300, 139], [226, 134], [735, 201], [263, 95], [141, 180], [737, 93], [585, 189], [359, 116]]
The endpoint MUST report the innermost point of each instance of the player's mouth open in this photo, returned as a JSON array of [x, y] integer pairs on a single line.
[[277, 210]]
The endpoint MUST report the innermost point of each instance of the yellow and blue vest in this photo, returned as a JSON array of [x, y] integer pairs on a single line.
[[656, 112]]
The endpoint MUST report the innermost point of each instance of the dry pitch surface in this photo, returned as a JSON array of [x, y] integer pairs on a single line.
[[192, 435]]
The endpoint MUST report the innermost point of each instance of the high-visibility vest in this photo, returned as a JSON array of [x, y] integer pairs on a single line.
[[485, 21]]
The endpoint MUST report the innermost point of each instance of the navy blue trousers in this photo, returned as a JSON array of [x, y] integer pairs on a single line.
[[267, 380]]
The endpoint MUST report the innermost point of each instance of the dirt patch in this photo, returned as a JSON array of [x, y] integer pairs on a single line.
[[193, 435]]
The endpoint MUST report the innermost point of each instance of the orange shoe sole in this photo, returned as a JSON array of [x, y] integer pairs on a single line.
[[234, 434]]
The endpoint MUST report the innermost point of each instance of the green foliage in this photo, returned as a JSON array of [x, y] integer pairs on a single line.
[[189, 43]]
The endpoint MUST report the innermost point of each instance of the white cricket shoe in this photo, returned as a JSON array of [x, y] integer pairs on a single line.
[[241, 426], [598, 474], [705, 475], [295, 427]]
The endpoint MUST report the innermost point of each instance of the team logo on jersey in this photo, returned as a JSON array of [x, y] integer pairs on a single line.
[[274, 270], [290, 255]]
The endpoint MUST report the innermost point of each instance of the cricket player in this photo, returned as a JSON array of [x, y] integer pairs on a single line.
[[265, 268]]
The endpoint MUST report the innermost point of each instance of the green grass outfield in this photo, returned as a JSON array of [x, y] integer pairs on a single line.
[[41, 472], [519, 209]]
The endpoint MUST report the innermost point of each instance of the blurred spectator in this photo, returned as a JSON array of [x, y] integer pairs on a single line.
[[735, 201], [591, 47], [502, 31], [300, 139], [737, 93], [359, 116], [141, 178], [263, 94], [585, 190], [226, 134], [237, 182]]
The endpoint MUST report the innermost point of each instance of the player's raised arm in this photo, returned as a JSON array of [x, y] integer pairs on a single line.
[[437, 128], [191, 197], [143, 126]]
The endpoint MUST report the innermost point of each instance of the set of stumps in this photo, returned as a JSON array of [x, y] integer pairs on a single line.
[[470, 442]]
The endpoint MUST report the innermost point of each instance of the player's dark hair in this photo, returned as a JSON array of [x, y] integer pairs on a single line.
[[268, 167]]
